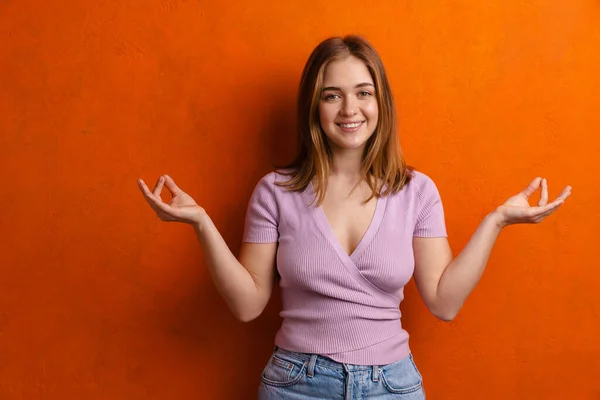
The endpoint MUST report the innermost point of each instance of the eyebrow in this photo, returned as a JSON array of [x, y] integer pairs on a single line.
[[356, 87]]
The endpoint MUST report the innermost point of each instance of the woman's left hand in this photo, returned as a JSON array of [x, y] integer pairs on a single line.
[[517, 210]]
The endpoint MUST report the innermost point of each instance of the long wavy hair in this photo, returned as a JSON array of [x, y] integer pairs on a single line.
[[383, 165]]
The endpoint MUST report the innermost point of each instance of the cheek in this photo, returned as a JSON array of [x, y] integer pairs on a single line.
[[326, 114], [371, 110]]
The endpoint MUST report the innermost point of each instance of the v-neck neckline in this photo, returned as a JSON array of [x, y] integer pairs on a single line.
[[327, 230]]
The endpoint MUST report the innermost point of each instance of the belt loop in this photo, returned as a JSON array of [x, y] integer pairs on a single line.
[[311, 366], [376, 370]]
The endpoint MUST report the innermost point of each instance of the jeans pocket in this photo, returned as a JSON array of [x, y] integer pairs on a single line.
[[402, 377], [281, 373]]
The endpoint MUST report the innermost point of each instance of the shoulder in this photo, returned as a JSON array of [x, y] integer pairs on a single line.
[[271, 179], [269, 184], [421, 183], [420, 191], [266, 186]]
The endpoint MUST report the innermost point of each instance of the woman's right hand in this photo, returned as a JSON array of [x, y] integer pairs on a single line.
[[181, 208]]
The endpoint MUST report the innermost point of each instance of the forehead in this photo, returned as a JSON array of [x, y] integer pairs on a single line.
[[347, 71]]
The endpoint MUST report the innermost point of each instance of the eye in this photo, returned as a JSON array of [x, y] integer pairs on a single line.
[[331, 96], [364, 94]]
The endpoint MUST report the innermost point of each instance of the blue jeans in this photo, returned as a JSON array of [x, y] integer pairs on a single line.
[[299, 376]]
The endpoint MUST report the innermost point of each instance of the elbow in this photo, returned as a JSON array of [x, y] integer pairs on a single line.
[[246, 315], [444, 310], [445, 315], [247, 308]]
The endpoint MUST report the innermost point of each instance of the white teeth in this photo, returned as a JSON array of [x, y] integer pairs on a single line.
[[350, 126]]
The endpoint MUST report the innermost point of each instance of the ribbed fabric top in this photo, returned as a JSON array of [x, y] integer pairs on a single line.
[[345, 307]]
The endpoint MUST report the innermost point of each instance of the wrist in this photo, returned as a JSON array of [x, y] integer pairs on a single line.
[[496, 218], [201, 222]]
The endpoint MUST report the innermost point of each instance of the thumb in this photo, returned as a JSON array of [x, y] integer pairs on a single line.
[[532, 187], [170, 184]]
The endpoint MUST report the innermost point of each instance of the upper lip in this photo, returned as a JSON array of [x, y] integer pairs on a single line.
[[349, 122]]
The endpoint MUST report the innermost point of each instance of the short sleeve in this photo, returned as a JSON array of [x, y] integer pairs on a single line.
[[430, 219], [262, 215]]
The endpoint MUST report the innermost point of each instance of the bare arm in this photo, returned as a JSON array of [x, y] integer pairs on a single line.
[[445, 283], [245, 285]]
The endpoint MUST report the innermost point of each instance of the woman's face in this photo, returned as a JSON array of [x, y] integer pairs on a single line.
[[348, 107]]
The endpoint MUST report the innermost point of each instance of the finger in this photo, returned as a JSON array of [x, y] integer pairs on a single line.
[[144, 188], [158, 187], [559, 200], [544, 196], [536, 212], [546, 214], [565, 193], [155, 203], [146, 191], [531, 189], [170, 183]]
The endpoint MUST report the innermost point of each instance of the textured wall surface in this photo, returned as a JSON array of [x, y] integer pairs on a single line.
[[100, 300]]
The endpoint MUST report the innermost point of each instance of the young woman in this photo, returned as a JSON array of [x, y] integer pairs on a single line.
[[343, 229]]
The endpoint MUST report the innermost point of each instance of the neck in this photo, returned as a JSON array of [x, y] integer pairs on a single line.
[[347, 164]]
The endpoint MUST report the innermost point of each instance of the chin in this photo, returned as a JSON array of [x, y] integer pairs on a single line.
[[350, 145], [348, 141]]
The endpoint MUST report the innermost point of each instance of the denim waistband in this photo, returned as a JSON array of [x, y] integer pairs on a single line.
[[321, 360]]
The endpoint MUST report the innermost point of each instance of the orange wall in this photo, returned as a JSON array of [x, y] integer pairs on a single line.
[[100, 300]]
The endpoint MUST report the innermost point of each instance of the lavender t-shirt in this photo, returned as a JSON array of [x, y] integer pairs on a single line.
[[345, 307]]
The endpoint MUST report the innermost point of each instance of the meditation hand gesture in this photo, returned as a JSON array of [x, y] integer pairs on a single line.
[[181, 208], [517, 210]]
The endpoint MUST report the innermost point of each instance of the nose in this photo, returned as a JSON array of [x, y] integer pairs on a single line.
[[348, 107]]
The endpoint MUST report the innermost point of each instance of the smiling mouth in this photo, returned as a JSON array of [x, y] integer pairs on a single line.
[[352, 125]]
